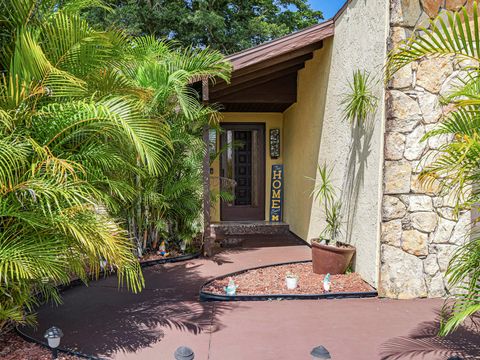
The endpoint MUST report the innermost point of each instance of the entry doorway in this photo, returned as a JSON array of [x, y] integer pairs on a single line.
[[243, 163]]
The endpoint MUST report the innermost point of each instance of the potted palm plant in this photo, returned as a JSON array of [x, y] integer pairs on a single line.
[[329, 256]]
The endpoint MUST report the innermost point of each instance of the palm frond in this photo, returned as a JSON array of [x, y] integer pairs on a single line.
[[450, 34]]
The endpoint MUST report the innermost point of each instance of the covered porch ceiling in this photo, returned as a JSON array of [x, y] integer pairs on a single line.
[[264, 78]]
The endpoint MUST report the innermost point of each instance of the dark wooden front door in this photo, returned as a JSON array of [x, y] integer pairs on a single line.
[[243, 164]]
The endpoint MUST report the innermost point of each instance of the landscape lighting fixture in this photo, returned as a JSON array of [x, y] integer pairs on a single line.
[[53, 336], [184, 353], [320, 353]]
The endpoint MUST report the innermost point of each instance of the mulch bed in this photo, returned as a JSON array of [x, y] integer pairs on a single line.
[[155, 256], [271, 280], [13, 347]]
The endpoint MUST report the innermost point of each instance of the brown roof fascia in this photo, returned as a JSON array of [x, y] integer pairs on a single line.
[[283, 45], [342, 10], [287, 43]]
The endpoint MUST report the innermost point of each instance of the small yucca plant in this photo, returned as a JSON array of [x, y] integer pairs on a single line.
[[360, 102]]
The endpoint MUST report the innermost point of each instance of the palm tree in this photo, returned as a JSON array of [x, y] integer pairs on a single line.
[[170, 205], [84, 121], [455, 165]]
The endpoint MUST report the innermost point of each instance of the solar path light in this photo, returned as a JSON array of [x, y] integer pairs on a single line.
[[53, 336], [184, 353], [320, 353]]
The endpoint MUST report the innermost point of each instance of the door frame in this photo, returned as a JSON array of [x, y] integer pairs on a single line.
[[247, 215]]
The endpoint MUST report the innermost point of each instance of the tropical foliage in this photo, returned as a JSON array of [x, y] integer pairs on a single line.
[[455, 165], [98, 145], [228, 26], [326, 194], [359, 102]]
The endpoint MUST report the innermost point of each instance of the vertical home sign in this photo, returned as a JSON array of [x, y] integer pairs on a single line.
[[276, 194]]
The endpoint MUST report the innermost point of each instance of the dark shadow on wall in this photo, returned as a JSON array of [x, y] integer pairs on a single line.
[[357, 164], [424, 343]]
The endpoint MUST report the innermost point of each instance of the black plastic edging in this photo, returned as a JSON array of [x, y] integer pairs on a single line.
[[77, 282], [207, 296], [62, 350], [149, 263], [143, 265]]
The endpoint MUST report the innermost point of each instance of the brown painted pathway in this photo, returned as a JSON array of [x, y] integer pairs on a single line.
[[112, 323]]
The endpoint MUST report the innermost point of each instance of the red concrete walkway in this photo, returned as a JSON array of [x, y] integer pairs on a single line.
[[112, 323]]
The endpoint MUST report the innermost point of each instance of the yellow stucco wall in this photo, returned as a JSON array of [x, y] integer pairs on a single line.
[[303, 123], [271, 120]]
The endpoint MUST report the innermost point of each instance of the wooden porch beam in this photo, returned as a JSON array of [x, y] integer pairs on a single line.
[[276, 91], [242, 76], [255, 82]]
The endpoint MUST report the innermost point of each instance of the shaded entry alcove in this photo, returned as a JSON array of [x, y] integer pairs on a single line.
[[243, 162]]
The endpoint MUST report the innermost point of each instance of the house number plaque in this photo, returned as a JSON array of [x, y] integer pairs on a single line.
[[274, 143]]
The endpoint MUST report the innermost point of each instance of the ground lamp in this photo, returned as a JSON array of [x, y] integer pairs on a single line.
[[53, 336], [320, 353], [184, 353]]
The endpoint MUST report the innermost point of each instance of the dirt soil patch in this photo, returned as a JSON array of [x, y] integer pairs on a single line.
[[155, 256], [13, 347], [271, 280]]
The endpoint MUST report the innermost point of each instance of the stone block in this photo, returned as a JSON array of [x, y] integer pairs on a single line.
[[401, 274], [415, 242], [432, 73], [424, 221], [432, 7], [420, 203], [430, 107], [414, 147], [392, 208], [405, 12], [392, 233], [443, 232], [394, 145], [397, 177]]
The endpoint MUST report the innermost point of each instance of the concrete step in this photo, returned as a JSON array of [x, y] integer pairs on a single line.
[[236, 228]]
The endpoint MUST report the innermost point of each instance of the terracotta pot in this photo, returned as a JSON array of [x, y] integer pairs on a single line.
[[331, 259]]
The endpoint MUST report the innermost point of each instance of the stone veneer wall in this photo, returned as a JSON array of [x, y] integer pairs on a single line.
[[419, 231]]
